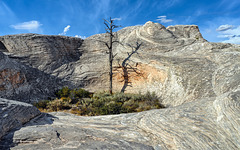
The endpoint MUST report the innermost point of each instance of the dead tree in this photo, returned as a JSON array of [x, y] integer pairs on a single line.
[[126, 68], [109, 29]]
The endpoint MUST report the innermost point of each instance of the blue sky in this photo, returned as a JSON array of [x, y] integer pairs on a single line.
[[218, 20]]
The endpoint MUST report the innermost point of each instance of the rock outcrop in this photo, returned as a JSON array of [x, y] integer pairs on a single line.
[[175, 62], [28, 62], [14, 114], [24, 83], [198, 80], [43, 52], [209, 123]]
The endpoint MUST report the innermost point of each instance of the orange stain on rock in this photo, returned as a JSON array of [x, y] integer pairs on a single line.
[[12, 77], [138, 74]]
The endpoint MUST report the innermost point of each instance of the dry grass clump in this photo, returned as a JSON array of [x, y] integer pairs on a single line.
[[82, 102]]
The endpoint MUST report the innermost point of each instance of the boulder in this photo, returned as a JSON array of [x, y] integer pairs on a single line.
[[13, 114], [24, 83]]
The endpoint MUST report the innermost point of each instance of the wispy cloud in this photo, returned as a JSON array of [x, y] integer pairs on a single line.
[[234, 40], [228, 5], [65, 30], [118, 19], [79, 36], [163, 19], [5, 10], [224, 27], [30, 26], [171, 3], [230, 32]]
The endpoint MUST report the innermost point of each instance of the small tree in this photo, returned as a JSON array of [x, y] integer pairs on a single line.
[[109, 29]]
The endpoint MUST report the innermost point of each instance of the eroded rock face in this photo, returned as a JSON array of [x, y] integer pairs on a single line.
[[175, 62], [29, 61], [198, 79], [209, 123], [14, 114], [11, 78], [43, 52], [24, 83]]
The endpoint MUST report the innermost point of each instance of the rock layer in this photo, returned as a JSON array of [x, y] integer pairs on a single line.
[[43, 52], [14, 114], [175, 62], [210, 123], [199, 80], [22, 82], [28, 62]]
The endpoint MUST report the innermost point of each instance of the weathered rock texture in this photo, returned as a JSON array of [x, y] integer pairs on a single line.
[[43, 52], [29, 61], [198, 79], [24, 83], [210, 123], [14, 114], [175, 62]]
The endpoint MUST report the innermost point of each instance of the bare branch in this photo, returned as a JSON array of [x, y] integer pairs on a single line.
[[106, 21], [106, 25], [114, 55], [107, 45]]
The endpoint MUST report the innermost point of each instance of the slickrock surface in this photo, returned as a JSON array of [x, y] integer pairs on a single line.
[[198, 80], [24, 83], [211, 123], [14, 114], [28, 62], [175, 62], [44, 52]]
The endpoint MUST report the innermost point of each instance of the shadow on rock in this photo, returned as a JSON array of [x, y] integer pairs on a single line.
[[9, 141]]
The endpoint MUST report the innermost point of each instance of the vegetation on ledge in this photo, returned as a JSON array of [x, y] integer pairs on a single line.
[[82, 102]]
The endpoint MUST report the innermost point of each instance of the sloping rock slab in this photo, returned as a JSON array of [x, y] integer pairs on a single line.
[[14, 114], [210, 123]]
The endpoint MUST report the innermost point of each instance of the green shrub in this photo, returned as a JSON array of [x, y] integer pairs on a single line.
[[64, 92], [73, 93], [129, 106], [41, 104], [81, 93], [82, 102], [58, 104]]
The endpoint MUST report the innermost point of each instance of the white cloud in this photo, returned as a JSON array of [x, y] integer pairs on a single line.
[[228, 31], [118, 19], [163, 19], [234, 40], [224, 27], [66, 29], [233, 31], [30, 26], [79, 36], [5, 10], [225, 36]]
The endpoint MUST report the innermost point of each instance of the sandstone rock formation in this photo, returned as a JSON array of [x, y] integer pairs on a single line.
[[209, 123], [14, 114], [43, 52], [199, 80], [24, 83], [27, 62], [175, 62]]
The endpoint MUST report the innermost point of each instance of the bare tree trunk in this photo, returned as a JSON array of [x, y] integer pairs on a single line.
[[109, 28], [110, 57]]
